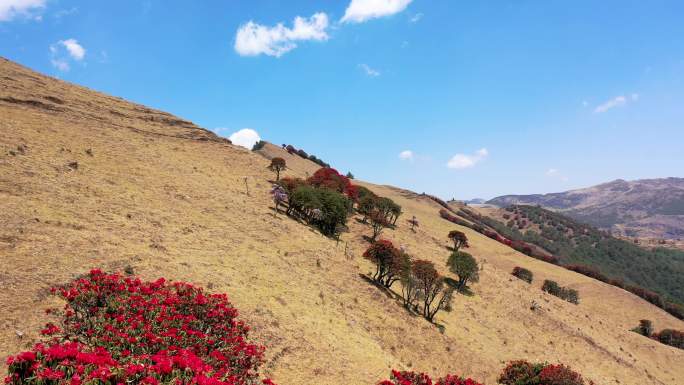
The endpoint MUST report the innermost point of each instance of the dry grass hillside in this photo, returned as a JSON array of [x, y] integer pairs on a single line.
[[88, 180]]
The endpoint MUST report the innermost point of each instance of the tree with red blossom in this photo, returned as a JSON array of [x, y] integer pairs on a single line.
[[329, 178], [430, 284], [378, 223], [388, 262], [459, 239]]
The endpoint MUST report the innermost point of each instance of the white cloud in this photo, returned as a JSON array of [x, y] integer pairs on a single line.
[[359, 11], [461, 161], [369, 71], [406, 155], [76, 50], [254, 39], [551, 172], [416, 18], [62, 52], [9, 9], [617, 101], [245, 137]]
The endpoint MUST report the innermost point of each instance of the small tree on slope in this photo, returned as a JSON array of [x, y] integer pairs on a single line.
[[277, 165]]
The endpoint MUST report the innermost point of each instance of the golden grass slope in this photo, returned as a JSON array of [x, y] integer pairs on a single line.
[[168, 198]]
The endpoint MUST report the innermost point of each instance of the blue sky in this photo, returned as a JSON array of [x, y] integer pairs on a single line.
[[456, 98]]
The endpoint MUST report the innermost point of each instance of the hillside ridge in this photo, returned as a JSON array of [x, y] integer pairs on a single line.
[[82, 187], [644, 208]]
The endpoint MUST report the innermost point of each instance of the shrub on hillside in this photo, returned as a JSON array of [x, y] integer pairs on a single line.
[[553, 288], [522, 273], [465, 267], [645, 328], [290, 184], [120, 330], [389, 209], [670, 337], [382, 211], [412, 378], [258, 145], [321, 207], [525, 373]]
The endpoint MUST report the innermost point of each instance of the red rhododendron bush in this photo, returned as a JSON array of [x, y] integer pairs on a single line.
[[120, 330], [525, 373], [412, 378]]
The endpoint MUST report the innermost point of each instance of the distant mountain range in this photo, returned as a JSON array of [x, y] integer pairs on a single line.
[[646, 208]]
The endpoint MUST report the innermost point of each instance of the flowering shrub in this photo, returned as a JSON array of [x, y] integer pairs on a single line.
[[559, 375], [412, 378], [525, 373], [120, 330], [329, 178], [453, 219], [588, 271]]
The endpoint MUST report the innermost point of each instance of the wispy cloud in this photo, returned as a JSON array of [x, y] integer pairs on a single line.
[[62, 52], [551, 172], [254, 39], [555, 173], [461, 161], [406, 155], [416, 18], [360, 11], [65, 12], [617, 101], [369, 71], [9, 9]]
